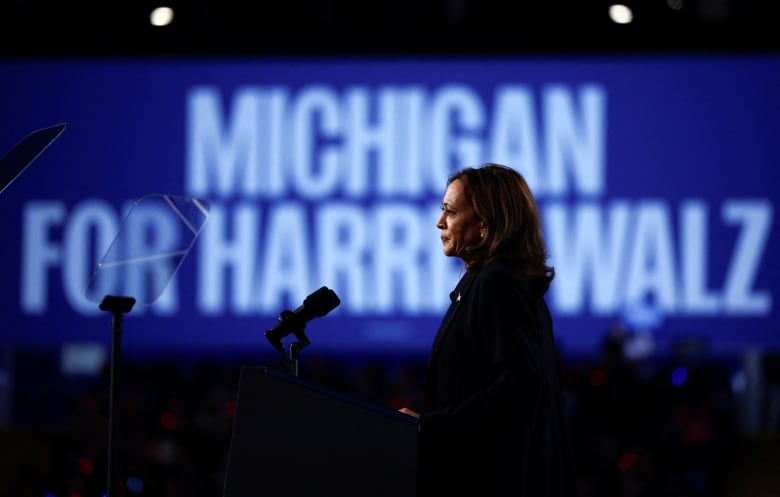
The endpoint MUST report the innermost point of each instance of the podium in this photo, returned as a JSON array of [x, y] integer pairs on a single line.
[[293, 438]]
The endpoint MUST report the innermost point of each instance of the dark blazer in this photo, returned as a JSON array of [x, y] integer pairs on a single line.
[[494, 423]]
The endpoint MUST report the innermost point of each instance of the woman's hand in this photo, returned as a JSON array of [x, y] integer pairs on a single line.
[[409, 412]]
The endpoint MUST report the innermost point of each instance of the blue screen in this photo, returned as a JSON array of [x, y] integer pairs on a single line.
[[656, 178]]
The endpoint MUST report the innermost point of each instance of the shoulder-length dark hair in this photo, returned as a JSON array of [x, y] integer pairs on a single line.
[[502, 200]]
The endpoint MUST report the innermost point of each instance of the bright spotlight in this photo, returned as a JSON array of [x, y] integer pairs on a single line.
[[620, 14], [161, 16]]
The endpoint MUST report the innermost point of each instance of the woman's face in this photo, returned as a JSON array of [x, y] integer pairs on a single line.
[[458, 223]]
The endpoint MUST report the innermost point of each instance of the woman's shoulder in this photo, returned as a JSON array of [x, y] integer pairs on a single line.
[[502, 272], [509, 273], [505, 267]]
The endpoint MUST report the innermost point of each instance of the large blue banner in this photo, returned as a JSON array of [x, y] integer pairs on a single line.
[[657, 179]]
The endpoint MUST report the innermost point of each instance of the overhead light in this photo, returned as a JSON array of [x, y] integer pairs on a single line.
[[675, 4], [161, 16], [620, 14]]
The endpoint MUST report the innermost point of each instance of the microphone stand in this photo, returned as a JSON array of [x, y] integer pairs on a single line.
[[295, 352], [291, 325], [117, 306]]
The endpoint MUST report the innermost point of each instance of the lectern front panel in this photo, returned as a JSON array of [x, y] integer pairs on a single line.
[[292, 438]]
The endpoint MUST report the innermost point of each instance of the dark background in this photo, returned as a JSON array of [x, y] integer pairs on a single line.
[[679, 426], [200, 27]]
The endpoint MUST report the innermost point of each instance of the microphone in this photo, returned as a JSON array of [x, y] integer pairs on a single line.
[[316, 305]]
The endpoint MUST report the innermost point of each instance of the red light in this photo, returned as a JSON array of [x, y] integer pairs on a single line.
[[168, 421], [230, 408], [86, 467], [598, 377], [626, 461]]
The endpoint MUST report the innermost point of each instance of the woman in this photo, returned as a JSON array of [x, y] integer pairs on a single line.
[[494, 424]]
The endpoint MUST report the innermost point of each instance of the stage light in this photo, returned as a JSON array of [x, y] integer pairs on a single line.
[[675, 4], [626, 461], [679, 376], [161, 16], [135, 485], [168, 420], [621, 14], [86, 467]]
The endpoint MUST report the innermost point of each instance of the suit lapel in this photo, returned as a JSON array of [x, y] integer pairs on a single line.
[[457, 297], [445, 323]]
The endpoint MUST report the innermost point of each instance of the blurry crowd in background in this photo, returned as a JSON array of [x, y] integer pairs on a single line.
[[678, 424]]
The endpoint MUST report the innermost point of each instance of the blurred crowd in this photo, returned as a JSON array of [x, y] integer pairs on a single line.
[[643, 425]]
